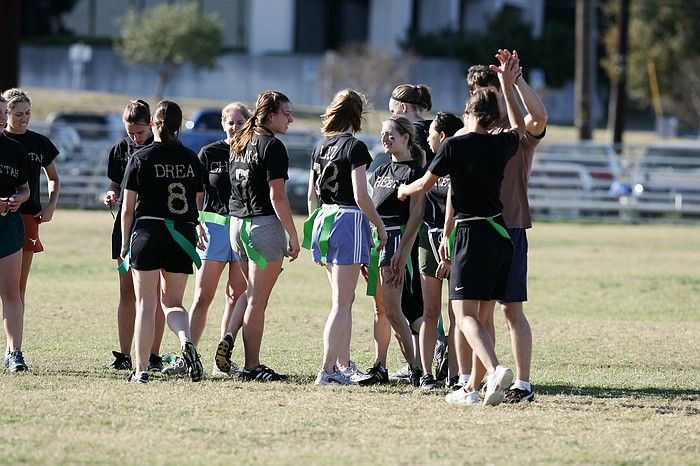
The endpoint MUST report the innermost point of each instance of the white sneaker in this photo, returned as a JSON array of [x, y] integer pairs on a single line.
[[233, 372], [177, 368], [352, 372], [335, 377], [403, 373], [462, 397], [496, 385]]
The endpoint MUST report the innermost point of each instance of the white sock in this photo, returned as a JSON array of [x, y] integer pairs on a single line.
[[463, 378], [522, 385]]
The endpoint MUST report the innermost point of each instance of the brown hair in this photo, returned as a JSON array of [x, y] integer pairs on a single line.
[[168, 119], [15, 96], [344, 111], [483, 104], [404, 126], [235, 107], [482, 76], [418, 95], [268, 102], [137, 111]]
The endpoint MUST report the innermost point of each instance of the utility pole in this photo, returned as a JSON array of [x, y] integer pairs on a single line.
[[616, 111], [583, 68], [10, 21]]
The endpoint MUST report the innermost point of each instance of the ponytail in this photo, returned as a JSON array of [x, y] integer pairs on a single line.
[[267, 103], [167, 119]]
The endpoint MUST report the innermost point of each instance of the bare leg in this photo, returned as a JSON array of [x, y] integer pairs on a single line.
[[27, 257], [206, 281], [159, 329], [520, 338], [260, 284], [382, 329], [392, 309], [172, 289], [477, 334], [146, 290], [335, 333], [460, 353], [232, 318], [485, 317], [12, 307], [126, 312], [432, 294]]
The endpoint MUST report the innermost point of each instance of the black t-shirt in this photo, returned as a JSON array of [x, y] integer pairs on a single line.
[[13, 166], [475, 163], [333, 161], [119, 156], [167, 179], [436, 202], [40, 153], [422, 128], [265, 159], [384, 181], [217, 184]]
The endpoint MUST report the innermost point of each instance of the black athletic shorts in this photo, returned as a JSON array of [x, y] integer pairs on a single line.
[[153, 247], [481, 262]]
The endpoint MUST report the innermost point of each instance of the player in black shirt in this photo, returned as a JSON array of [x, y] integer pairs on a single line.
[[161, 184], [402, 221], [411, 101], [40, 156], [14, 190], [215, 227], [137, 123], [432, 270], [341, 237], [258, 170], [482, 248]]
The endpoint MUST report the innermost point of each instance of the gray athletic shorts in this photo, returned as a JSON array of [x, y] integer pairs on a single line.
[[267, 236]]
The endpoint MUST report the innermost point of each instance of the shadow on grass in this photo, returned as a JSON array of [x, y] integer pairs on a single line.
[[610, 392]]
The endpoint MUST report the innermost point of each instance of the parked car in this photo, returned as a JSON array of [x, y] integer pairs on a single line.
[[84, 135], [300, 144], [670, 166], [601, 161], [204, 128]]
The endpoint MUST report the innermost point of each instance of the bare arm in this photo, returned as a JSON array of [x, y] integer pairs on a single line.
[[13, 202], [536, 118], [128, 207], [201, 233], [54, 187], [278, 197], [420, 186], [311, 198], [507, 73], [364, 202], [448, 227]]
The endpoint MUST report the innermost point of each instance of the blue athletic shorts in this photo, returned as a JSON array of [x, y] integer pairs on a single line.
[[218, 247], [516, 289], [349, 241]]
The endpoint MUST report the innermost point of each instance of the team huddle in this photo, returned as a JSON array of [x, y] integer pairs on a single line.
[[450, 206]]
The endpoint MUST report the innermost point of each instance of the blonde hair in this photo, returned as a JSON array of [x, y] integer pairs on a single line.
[[235, 107], [15, 96], [344, 111]]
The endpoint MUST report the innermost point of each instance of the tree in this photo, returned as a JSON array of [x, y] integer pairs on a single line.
[[665, 33], [166, 37], [373, 72]]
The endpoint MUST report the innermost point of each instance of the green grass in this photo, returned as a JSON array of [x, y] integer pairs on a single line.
[[616, 368]]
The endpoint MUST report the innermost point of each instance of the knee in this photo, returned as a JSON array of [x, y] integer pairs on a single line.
[[513, 313], [431, 313]]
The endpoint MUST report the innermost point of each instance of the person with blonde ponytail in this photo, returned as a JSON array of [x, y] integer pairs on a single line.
[[402, 221], [258, 170]]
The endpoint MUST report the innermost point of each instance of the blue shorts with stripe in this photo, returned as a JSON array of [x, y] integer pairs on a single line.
[[350, 237], [516, 288]]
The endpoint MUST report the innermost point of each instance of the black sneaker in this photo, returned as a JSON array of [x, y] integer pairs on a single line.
[[261, 373], [376, 374], [416, 374], [194, 365], [516, 395], [428, 382], [155, 363], [441, 362], [143, 378], [453, 383], [223, 354], [121, 361]]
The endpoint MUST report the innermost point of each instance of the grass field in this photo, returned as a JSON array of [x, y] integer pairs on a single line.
[[615, 317]]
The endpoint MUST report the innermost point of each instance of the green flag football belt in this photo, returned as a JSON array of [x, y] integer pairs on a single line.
[[178, 237], [330, 212], [252, 253], [490, 220], [373, 268], [213, 217]]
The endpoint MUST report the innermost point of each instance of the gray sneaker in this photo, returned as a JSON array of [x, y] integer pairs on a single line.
[[233, 371], [335, 377], [352, 372], [14, 361], [178, 367]]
